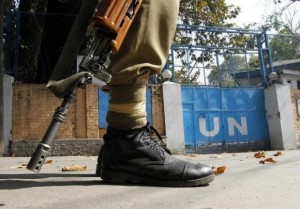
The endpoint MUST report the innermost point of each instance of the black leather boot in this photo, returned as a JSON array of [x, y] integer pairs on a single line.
[[136, 156]]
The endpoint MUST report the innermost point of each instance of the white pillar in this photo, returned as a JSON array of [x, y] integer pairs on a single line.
[[280, 117], [173, 117]]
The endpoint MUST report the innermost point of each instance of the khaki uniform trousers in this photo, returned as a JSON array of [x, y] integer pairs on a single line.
[[142, 54]]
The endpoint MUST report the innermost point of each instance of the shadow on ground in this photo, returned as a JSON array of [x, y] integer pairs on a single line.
[[20, 181]]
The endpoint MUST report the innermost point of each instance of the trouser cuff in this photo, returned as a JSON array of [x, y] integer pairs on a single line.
[[127, 109]]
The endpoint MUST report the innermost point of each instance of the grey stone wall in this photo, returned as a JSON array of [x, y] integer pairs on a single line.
[[78, 147]]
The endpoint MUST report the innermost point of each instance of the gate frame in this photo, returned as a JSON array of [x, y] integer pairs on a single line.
[[263, 49]]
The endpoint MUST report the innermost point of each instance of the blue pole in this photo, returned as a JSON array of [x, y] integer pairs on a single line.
[[218, 68], [261, 58], [173, 65], [269, 51]]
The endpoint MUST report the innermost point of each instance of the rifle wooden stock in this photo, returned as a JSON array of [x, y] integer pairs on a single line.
[[116, 16]]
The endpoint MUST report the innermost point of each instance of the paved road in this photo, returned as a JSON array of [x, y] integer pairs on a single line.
[[246, 184]]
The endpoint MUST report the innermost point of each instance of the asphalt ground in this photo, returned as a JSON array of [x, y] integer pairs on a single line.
[[245, 184]]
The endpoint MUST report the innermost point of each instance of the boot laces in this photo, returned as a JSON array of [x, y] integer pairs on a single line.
[[152, 138]]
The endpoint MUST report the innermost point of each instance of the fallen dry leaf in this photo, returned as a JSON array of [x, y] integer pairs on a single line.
[[268, 160], [22, 165], [260, 154], [74, 168], [217, 156], [219, 170], [277, 154], [48, 161], [192, 155]]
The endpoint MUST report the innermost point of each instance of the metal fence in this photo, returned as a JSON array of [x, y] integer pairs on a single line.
[[245, 64], [200, 55]]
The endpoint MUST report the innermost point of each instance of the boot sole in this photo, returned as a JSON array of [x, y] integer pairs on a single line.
[[117, 177]]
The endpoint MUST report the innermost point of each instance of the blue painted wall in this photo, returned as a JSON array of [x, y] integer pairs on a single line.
[[222, 115]]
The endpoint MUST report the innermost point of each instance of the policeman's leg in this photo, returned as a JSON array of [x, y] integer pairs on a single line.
[[130, 153]]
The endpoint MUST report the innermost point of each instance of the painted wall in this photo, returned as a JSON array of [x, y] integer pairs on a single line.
[[223, 115]]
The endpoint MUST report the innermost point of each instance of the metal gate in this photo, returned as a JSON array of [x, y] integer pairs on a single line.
[[224, 119]]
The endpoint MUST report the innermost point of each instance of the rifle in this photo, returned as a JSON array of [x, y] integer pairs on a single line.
[[111, 21]]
